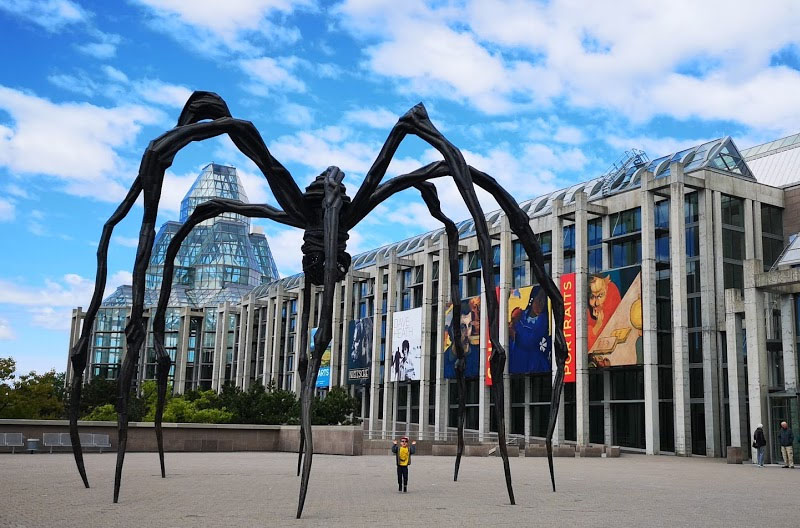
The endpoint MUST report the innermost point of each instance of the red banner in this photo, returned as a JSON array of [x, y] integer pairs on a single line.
[[568, 292], [488, 376]]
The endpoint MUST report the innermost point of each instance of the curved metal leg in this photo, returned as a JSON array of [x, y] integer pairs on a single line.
[[302, 361]]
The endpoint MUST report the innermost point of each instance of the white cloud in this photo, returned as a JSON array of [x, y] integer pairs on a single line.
[[7, 210], [6, 332], [74, 142], [162, 93], [296, 114], [15, 190], [104, 48], [269, 75], [125, 241], [80, 84], [69, 291], [285, 245], [505, 56], [379, 118], [240, 26], [52, 15], [115, 74]]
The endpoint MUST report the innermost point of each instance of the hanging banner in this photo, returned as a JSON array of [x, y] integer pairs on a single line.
[[614, 316], [470, 324], [359, 357], [407, 344], [529, 331], [568, 293], [488, 376], [324, 372]]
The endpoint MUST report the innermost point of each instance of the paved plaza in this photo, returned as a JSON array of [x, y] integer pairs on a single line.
[[260, 489]]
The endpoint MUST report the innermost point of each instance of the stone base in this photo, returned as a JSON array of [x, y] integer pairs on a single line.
[[612, 452], [563, 451], [590, 452], [535, 450], [734, 455]]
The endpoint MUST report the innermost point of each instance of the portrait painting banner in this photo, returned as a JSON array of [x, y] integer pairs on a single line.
[[529, 331], [568, 293], [359, 357], [614, 315], [470, 324], [406, 345]]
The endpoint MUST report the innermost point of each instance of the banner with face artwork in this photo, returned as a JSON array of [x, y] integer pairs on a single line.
[[529, 331], [470, 324], [324, 372], [614, 315], [359, 357], [406, 359]]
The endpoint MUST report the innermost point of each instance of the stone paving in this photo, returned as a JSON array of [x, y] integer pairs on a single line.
[[260, 489]]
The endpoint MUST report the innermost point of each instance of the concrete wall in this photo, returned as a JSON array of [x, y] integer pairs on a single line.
[[791, 222]]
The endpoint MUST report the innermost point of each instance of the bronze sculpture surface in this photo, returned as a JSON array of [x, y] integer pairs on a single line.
[[326, 214]]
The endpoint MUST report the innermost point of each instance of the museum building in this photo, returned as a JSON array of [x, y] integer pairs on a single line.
[[681, 288]]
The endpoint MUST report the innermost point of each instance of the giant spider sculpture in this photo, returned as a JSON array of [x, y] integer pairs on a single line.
[[326, 214]]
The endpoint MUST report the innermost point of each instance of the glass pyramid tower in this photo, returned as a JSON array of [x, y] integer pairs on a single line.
[[220, 260]]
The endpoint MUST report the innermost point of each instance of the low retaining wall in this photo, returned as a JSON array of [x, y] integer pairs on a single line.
[[332, 440]]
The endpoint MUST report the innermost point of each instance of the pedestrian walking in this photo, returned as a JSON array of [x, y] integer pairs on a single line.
[[759, 443], [402, 455], [786, 439]]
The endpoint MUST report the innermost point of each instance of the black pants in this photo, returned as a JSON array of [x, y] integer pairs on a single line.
[[402, 476]]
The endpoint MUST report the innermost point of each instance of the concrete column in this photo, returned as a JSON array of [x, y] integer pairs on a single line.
[[708, 317], [749, 237], [680, 335], [506, 261], [649, 323], [248, 342], [181, 359], [336, 341], [221, 348], [286, 351], [484, 422], [390, 388], [298, 334], [277, 332], [269, 312], [348, 316], [736, 407], [557, 269], [789, 341], [758, 246], [608, 430], [428, 295], [240, 351], [442, 395], [374, 379], [261, 352], [719, 270], [527, 407], [581, 343], [755, 324]]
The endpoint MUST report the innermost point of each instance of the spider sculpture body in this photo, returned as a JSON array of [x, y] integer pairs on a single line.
[[326, 214]]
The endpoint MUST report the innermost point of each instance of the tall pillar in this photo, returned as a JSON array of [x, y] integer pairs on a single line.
[[441, 396], [581, 343], [506, 261], [269, 311], [484, 422], [708, 317], [758, 246], [390, 388], [427, 328], [680, 335], [248, 319], [348, 316], [556, 270], [374, 378], [652, 436], [789, 338], [733, 337], [755, 323], [277, 332], [336, 341], [181, 354]]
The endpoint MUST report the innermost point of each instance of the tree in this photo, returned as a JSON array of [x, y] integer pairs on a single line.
[[35, 396], [7, 368], [335, 409]]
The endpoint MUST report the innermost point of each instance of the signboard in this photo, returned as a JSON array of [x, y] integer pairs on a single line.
[[359, 357], [568, 293], [530, 337], [407, 345], [614, 315], [470, 324], [324, 373]]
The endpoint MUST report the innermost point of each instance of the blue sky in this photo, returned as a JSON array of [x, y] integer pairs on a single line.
[[538, 94]]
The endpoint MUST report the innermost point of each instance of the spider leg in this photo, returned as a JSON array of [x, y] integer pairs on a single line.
[[203, 211], [302, 361], [416, 122], [431, 198], [332, 206], [156, 159], [520, 226], [200, 106]]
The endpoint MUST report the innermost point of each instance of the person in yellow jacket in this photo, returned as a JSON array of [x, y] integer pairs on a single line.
[[403, 454]]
